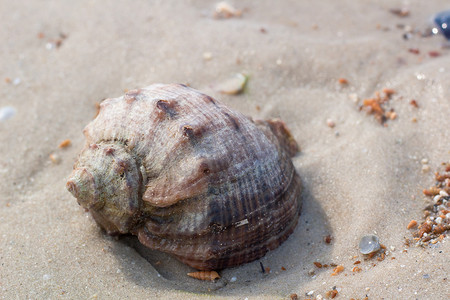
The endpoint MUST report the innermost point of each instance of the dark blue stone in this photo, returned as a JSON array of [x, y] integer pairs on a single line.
[[442, 20]]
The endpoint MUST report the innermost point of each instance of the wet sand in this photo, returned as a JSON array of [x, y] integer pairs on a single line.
[[60, 58]]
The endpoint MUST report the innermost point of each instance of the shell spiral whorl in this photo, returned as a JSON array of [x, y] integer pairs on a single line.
[[189, 176]]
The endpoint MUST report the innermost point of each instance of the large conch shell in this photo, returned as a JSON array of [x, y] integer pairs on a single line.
[[189, 176]]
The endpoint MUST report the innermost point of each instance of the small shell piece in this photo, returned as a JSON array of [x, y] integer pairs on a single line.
[[205, 275], [64, 144]]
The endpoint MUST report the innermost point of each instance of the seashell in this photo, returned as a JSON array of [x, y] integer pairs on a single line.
[[205, 275], [189, 176]]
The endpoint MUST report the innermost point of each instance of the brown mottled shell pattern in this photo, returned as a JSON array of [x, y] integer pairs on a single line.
[[189, 176]]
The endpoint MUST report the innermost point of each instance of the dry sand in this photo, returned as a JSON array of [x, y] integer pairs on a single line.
[[359, 176]]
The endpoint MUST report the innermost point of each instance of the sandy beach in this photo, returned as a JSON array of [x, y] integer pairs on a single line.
[[321, 67]]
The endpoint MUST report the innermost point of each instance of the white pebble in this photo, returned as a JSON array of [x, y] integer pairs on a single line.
[[438, 220], [233, 279], [437, 198], [392, 248], [16, 81], [55, 158], [354, 97], [310, 293], [46, 276], [207, 56], [425, 168], [424, 161], [447, 216], [7, 112], [319, 297], [443, 193]]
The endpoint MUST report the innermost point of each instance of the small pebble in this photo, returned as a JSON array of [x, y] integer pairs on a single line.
[[330, 123], [412, 224], [55, 158], [343, 81], [234, 85], [7, 112], [233, 279], [46, 276], [64, 144], [424, 161], [17, 81], [437, 198], [426, 276], [443, 193], [369, 244], [354, 97], [293, 296], [207, 56], [226, 10], [425, 168]]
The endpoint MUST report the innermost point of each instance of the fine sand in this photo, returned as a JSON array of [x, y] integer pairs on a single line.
[[59, 58]]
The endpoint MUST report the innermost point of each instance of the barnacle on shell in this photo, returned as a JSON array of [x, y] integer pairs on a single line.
[[189, 176]]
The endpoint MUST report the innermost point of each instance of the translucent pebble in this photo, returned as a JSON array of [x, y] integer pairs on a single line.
[[233, 279], [369, 244]]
